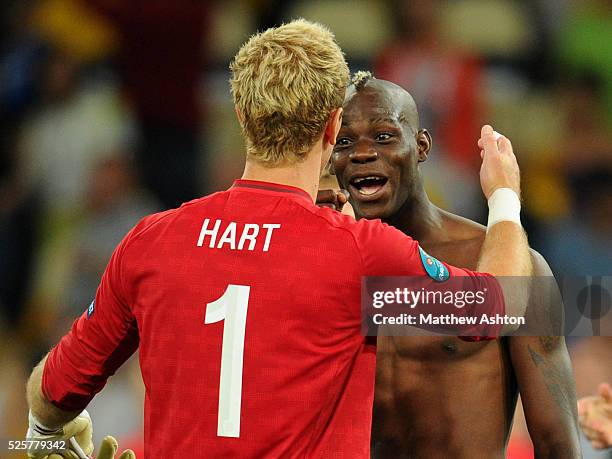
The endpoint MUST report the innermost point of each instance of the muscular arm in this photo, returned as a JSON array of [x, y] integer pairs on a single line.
[[505, 251], [546, 383], [43, 410]]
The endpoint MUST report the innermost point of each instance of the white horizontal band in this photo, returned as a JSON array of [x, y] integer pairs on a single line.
[[504, 206]]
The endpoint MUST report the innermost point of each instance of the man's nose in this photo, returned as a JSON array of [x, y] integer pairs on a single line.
[[363, 155]]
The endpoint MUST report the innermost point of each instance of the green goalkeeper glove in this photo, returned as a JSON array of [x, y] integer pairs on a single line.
[[78, 438], [76, 435], [108, 449]]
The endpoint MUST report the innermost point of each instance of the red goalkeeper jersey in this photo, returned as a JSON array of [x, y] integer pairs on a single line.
[[245, 308]]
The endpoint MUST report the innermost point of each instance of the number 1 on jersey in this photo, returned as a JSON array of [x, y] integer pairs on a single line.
[[232, 308]]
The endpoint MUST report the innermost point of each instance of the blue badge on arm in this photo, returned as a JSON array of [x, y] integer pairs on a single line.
[[90, 309], [434, 267]]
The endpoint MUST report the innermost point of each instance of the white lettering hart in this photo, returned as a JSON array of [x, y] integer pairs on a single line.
[[250, 231]]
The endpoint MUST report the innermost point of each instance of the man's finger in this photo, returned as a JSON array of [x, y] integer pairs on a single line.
[[590, 433], [108, 448], [489, 142], [504, 146], [605, 391], [76, 426], [498, 138], [333, 199], [581, 408], [598, 444], [326, 196], [128, 454], [586, 404]]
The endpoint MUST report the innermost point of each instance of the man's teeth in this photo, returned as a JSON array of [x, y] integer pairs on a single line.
[[361, 179], [369, 189], [368, 185]]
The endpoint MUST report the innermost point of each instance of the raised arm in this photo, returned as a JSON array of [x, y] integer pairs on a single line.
[[546, 382], [505, 251]]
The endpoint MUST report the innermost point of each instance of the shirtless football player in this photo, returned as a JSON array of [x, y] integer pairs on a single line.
[[443, 397]]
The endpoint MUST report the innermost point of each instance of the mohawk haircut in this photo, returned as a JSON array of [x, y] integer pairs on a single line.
[[361, 78]]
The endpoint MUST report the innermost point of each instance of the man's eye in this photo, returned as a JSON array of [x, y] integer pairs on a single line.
[[383, 136], [343, 141]]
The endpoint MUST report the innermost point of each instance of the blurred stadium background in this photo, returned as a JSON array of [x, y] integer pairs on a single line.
[[114, 109]]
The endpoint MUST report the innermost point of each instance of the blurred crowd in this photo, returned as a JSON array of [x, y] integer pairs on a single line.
[[111, 110]]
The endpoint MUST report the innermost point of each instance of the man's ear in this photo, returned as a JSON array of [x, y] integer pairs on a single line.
[[333, 126], [424, 143], [238, 114]]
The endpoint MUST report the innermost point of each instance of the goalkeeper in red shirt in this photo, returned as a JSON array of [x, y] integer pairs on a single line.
[[248, 331]]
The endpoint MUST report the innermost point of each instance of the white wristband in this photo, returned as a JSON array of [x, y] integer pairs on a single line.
[[504, 206]]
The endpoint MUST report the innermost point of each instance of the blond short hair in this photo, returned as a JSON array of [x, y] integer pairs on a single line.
[[286, 81]]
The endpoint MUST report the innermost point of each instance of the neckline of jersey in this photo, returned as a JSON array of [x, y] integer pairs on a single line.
[[271, 187]]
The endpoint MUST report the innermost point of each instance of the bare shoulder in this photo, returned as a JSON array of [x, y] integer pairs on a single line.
[[458, 242], [466, 231], [465, 237], [458, 228], [463, 223], [540, 265]]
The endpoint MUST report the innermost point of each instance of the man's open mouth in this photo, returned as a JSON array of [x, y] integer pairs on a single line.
[[368, 186]]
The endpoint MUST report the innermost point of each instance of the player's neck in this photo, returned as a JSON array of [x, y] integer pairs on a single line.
[[303, 175], [418, 217]]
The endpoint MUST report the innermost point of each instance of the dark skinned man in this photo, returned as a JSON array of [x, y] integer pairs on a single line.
[[442, 397]]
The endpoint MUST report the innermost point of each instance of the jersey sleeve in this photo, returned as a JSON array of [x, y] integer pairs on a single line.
[[100, 341], [386, 251]]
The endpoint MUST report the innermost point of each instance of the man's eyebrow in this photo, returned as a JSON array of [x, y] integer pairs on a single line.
[[386, 119]]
